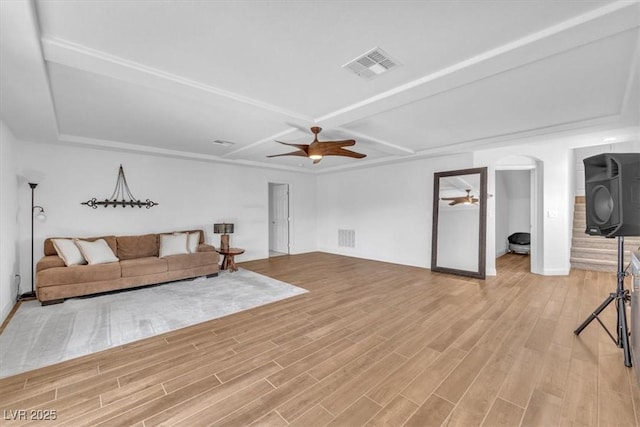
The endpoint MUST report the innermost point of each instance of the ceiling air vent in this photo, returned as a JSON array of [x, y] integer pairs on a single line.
[[371, 64], [223, 142]]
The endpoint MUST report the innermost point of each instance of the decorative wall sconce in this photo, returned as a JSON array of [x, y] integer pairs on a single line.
[[121, 190], [224, 229]]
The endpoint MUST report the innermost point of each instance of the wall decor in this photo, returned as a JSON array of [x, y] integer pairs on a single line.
[[118, 197]]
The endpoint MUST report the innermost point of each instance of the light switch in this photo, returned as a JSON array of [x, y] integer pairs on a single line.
[[552, 214]]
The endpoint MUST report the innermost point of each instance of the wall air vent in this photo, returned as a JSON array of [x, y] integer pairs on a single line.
[[347, 238], [371, 64], [223, 143]]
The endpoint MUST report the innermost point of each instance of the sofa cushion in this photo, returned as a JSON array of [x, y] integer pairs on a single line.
[[50, 250], [78, 274], [181, 262], [131, 247], [200, 234], [173, 244], [96, 252], [143, 266], [68, 251], [193, 240]]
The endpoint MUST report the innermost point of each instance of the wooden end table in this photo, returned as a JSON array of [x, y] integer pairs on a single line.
[[228, 262]]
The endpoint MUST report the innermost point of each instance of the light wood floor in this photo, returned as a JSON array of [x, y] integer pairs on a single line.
[[371, 344]]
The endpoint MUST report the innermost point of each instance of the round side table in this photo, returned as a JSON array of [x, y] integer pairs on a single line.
[[228, 262]]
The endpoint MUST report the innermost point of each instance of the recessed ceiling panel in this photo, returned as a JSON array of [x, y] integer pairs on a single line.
[[579, 85], [98, 107], [290, 54]]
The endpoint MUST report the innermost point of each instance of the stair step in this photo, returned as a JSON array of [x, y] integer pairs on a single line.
[[628, 240], [603, 242], [598, 253], [578, 265]]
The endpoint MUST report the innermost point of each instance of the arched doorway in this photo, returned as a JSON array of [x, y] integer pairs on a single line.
[[510, 174]]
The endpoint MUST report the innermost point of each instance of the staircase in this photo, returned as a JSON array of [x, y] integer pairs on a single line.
[[596, 252]]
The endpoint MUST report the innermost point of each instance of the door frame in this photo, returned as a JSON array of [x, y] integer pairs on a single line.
[[289, 214]]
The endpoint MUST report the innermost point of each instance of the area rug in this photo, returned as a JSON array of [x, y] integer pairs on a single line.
[[39, 336]]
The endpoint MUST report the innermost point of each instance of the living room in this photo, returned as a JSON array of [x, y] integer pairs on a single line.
[[525, 98]]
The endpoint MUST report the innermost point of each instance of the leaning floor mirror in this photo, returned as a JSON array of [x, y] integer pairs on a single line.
[[459, 222]]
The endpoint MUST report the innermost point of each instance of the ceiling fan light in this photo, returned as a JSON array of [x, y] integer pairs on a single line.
[[315, 156]]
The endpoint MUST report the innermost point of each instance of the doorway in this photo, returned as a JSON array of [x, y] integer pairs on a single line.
[[514, 214], [278, 219]]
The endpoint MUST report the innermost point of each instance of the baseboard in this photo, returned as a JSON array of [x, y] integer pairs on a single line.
[[7, 312], [556, 271]]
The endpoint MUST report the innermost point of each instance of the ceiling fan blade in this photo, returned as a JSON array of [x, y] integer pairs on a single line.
[[451, 198], [455, 202], [474, 200], [303, 147], [342, 143], [317, 161], [342, 152], [353, 154], [293, 153]]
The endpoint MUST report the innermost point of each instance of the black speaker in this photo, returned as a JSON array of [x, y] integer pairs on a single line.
[[612, 194]]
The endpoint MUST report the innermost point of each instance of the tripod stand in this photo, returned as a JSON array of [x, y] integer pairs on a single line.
[[620, 296]]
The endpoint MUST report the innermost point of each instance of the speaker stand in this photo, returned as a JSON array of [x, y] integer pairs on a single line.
[[620, 297]]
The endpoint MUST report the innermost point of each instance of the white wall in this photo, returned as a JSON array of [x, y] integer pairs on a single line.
[[8, 222], [501, 214], [519, 190], [389, 207], [191, 194]]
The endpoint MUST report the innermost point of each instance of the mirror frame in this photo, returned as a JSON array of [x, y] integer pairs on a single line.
[[482, 241]]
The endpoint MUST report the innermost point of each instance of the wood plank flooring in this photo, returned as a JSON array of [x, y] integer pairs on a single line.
[[371, 344]]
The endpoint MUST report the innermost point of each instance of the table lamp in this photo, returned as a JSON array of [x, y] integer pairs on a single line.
[[224, 229]]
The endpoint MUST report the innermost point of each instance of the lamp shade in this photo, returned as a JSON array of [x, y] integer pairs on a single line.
[[223, 228], [39, 213]]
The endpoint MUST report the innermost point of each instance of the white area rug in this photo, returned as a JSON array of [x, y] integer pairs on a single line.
[[39, 336]]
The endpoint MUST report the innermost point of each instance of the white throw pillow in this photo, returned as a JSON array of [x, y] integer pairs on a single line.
[[68, 251], [193, 240], [173, 244], [96, 252]]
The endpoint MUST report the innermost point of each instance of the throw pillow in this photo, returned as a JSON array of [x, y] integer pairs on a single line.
[[68, 251], [193, 240], [173, 244], [96, 252]]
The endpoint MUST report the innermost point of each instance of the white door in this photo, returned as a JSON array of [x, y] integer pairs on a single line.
[[279, 218]]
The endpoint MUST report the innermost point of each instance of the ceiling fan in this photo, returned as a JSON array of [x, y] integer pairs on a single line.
[[467, 200], [318, 149]]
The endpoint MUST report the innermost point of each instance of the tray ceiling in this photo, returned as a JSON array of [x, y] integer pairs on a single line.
[[171, 77]]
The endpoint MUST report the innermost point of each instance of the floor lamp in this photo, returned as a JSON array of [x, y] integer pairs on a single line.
[[41, 217]]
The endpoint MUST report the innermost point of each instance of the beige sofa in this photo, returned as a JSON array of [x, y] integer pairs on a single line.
[[139, 265]]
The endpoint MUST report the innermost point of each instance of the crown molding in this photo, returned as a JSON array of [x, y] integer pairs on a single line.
[[163, 152]]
